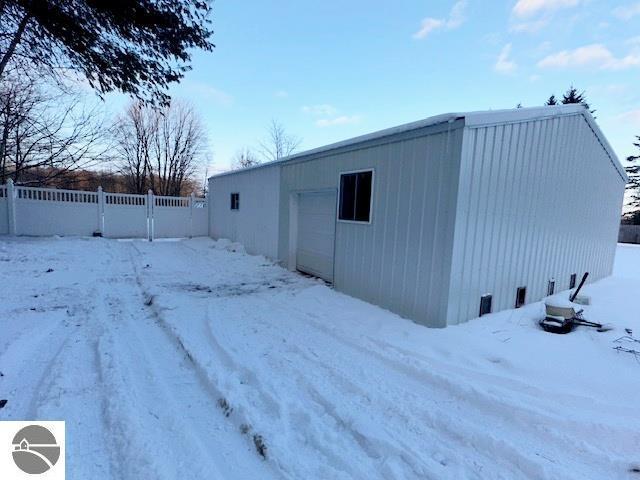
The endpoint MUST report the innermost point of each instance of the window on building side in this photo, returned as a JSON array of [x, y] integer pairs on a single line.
[[485, 304], [355, 196], [521, 296], [235, 201], [572, 280], [551, 287]]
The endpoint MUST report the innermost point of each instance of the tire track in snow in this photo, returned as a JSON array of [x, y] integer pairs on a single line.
[[166, 374], [544, 433], [476, 427], [360, 439]]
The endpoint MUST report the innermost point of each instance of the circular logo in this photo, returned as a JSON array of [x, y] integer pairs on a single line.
[[35, 449]]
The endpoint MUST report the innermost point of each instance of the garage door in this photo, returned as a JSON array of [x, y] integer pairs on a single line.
[[316, 232]]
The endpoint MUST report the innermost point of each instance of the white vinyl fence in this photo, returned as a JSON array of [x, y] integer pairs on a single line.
[[49, 211]]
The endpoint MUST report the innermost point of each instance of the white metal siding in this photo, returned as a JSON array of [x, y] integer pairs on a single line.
[[536, 200], [401, 260], [316, 233], [255, 224]]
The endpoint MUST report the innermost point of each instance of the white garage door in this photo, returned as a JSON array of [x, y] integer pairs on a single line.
[[316, 232]]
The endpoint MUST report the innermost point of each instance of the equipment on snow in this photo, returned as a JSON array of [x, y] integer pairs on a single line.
[[562, 317]]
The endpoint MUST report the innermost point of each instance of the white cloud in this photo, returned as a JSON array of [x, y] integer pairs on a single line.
[[322, 109], [595, 55], [627, 12], [455, 20], [427, 26], [504, 64], [529, 27], [630, 117], [457, 15], [281, 94], [340, 120], [208, 92], [634, 41], [529, 8]]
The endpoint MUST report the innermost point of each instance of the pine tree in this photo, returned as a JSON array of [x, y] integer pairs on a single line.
[[633, 187], [551, 101], [573, 96], [138, 47]]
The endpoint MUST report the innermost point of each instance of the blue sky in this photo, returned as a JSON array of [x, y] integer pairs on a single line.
[[333, 70]]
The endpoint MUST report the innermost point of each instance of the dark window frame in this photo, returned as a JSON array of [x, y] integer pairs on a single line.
[[551, 287], [521, 296], [486, 304], [573, 279], [235, 200], [340, 217]]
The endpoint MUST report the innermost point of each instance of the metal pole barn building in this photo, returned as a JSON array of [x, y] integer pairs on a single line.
[[442, 219]]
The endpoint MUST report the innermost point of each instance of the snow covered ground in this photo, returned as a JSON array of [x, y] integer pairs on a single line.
[[190, 359]]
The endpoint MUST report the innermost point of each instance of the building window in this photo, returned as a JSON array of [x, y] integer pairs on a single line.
[[551, 287], [521, 296], [355, 196], [235, 201], [485, 304], [572, 281]]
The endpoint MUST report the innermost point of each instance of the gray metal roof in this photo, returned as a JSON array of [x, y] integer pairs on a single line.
[[471, 119]]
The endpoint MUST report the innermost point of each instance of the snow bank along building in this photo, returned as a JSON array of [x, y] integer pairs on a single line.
[[439, 220]]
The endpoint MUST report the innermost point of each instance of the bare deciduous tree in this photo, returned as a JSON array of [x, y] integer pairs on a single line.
[[278, 143], [133, 132], [46, 131], [160, 149], [244, 158]]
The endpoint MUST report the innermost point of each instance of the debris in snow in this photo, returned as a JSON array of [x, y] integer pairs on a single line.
[[244, 428], [49, 270], [3, 402], [224, 405], [149, 301], [628, 340], [261, 447]]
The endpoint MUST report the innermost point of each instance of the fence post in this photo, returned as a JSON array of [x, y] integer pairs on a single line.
[[191, 201], [11, 207], [101, 212], [150, 205]]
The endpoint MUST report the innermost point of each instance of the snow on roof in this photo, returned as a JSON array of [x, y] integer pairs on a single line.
[[471, 119]]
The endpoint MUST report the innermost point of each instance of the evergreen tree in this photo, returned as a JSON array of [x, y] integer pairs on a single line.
[[633, 172], [552, 101], [138, 47], [573, 96]]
